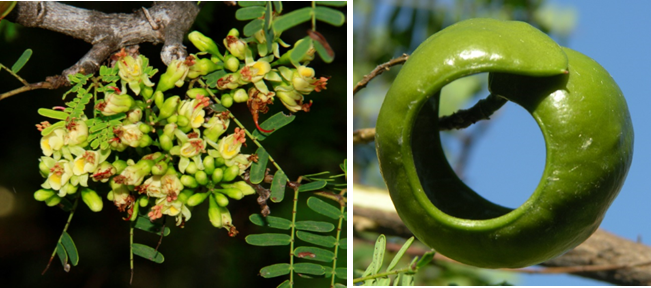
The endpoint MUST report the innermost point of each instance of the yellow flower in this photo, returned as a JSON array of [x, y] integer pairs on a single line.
[[59, 175], [86, 162], [193, 147], [53, 141]]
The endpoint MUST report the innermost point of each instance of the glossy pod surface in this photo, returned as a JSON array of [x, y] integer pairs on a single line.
[[583, 117]]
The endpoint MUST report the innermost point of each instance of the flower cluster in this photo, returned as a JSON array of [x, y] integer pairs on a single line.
[[172, 152]]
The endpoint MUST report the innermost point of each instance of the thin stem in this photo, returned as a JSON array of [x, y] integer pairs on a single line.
[[313, 16], [379, 70], [131, 252], [338, 237], [65, 228], [15, 75], [293, 239]]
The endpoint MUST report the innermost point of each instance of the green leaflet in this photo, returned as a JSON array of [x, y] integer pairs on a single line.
[[63, 256], [330, 16], [308, 268], [258, 168], [270, 221], [147, 252], [252, 27], [278, 186], [275, 270], [300, 50], [324, 241], [316, 185], [54, 114], [248, 13], [292, 19], [144, 224], [274, 122], [268, 239], [314, 226], [22, 60], [70, 248], [324, 208], [314, 253]]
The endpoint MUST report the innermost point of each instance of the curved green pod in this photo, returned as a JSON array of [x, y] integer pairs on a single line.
[[579, 108]]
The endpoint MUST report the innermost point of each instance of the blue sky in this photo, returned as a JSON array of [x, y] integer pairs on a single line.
[[507, 162]]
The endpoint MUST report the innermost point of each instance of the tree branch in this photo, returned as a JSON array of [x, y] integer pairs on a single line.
[[110, 32], [379, 70], [603, 256]]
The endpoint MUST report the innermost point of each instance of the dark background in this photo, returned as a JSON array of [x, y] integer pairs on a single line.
[[196, 256]]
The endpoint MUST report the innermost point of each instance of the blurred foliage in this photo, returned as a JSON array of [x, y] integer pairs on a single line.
[[387, 29]]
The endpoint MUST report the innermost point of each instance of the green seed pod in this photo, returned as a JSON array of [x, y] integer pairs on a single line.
[[214, 213], [43, 194], [230, 173], [201, 177], [189, 181], [196, 199], [92, 200], [217, 175], [221, 199], [209, 164]]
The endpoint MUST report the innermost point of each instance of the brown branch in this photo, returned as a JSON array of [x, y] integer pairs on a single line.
[[604, 256], [379, 70], [109, 32], [363, 136]]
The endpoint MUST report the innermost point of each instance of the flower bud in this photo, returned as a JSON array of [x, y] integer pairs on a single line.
[[159, 168], [145, 141], [232, 192], [169, 130], [191, 169], [236, 46], [119, 166], [175, 75], [227, 100], [92, 200], [185, 195], [135, 174], [134, 115], [217, 175], [229, 81], [43, 194], [231, 63], [134, 213], [214, 214], [202, 67], [240, 96], [204, 44], [53, 201], [215, 127], [201, 177], [209, 164], [69, 189], [169, 107], [230, 173], [290, 97], [115, 103], [197, 199], [242, 186], [194, 92], [189, 181], [227, 220], [143, 201], [221, 199]]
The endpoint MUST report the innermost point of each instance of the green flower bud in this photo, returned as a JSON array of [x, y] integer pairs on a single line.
[[219, 162], [144, 128], [53, 201], [230, 173], [159, 168], [43, 194], [194, 92], [159, 99], [77, 132], [217, 175], [146, 91], [109, 196], [145, 141], [143, 201], [241, 185], [209, 164], [175, 75], [290, 97], [135, 174], [169, 107], [202, 67], [165, 142], [169, 130], [185, 195], [215, 127], [189, 181], [236, 46], [204, 44], [240, 96], [115, 103], [214, 214], [134, 115], [69, 189], [191, 169], [221, 199], [197, 199], [201, 177], [231, 63], [233, 32], [104, 172], [183, 121], [43, 168], [92, 200], [232, 192], [227, 220], [176, 150], [119, 166], [227, 100]]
